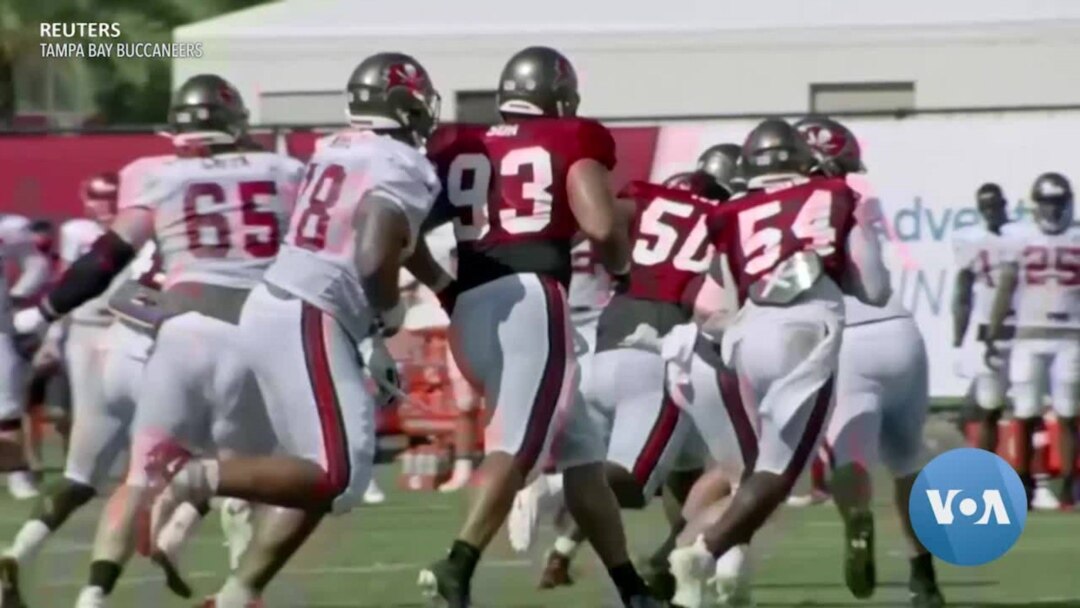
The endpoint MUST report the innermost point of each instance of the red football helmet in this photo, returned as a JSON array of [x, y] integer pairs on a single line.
[[99, 194]]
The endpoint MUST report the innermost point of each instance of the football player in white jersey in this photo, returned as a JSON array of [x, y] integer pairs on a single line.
[[883, 395], [216, 209], [16, 243], [979, 252], [98, 361], [366, 191], [1042, 273]]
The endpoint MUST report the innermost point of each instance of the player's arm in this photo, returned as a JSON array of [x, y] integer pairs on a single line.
[[34, 271], [1003, 298], [866, 276], [717, 301], [382, 238], [90, 275], [961, 304], [423, 265], [593, 205]]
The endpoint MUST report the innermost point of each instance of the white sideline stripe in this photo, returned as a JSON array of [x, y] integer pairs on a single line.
[[372, 569]]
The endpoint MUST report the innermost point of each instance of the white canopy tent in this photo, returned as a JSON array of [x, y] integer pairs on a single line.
[[646, 58]]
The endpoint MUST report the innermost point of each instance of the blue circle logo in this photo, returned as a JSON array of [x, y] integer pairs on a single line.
[[968, 507]]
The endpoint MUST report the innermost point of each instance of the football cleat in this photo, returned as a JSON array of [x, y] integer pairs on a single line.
[[22, 485], [860, 571], [694, 568], [374, 495], [556, 571], [9, 584], [91, 597], [732, 577], [524, 517], [444, 586]]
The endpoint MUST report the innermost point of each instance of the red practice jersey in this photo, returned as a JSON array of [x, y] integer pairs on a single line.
[[670, 240], [766, 227], [505, 188]]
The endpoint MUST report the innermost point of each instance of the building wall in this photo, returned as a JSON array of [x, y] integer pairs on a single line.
[[686, 74]]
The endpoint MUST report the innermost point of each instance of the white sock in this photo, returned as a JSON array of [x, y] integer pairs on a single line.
[[212, 471], [566, 546], [462, 466], [234, 594], [28, 541], [180, 528]]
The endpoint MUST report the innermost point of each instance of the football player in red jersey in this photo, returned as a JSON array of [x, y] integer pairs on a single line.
[[648, 436], [787, 252], [519, 194]]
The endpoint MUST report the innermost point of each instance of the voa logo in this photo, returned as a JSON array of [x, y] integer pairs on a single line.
[[968, 507], [993, 507]]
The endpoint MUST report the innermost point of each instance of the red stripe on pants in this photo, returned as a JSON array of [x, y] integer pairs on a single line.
[[551, 382], [659, 438], [326, 402]]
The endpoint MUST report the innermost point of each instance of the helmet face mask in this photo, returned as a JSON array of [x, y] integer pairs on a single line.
[[774, 147], [1053, 197], [538, 81], [207, 110], [392, 91], [718, 172]]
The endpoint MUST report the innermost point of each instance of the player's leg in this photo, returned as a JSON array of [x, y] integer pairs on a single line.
[[647, 436], [173, 415], [1027, 375], [1065, 398], [990, 391], [789, 367], [728, 424], [99, 439], [12, 404], [466, 426], [526, 368], [510, 364], [905, 405], [907, 401], [869, 355], [324, 419]]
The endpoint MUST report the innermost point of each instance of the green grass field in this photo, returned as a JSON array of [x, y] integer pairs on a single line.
[[370, 559]]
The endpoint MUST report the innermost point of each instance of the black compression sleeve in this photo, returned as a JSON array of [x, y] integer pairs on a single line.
[[89, 276]]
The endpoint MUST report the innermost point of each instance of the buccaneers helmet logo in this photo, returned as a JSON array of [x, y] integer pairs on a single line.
[[824, 140], [406, 75]]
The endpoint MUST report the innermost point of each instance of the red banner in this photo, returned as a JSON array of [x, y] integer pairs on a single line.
[[40, 174]]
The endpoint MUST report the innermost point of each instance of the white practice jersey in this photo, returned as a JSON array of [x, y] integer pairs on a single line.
[[317, 262], [590, 284], [1048, 294], [984, 253], [217, 219], [17, 244]]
